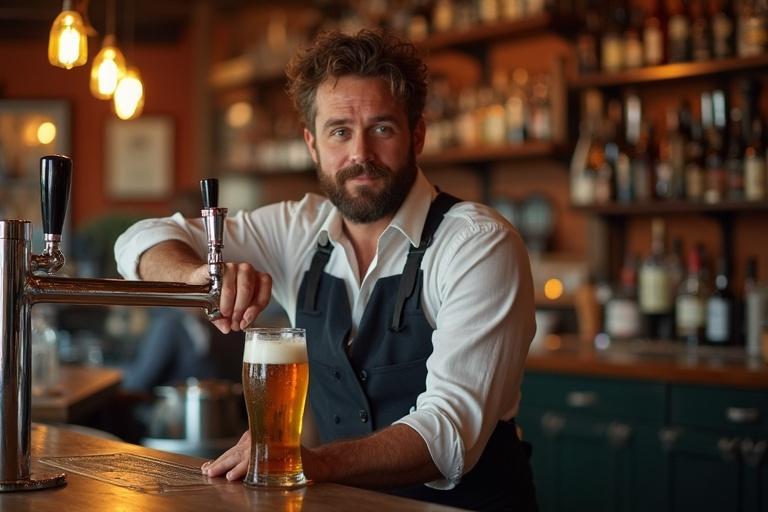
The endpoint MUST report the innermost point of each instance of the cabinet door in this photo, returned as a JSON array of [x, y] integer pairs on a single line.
[[581, 463], [703, 471], [755, 463]]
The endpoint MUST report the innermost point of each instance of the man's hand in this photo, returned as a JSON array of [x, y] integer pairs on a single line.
[[245, 293], [233, 462]]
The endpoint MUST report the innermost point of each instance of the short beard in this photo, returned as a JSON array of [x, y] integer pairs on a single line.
[[369, 205]]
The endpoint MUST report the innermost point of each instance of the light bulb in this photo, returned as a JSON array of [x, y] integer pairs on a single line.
[[68, 43], [107, 69], [129, 95]]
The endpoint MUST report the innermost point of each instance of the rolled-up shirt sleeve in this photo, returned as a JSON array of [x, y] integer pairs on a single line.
[[484, 324]]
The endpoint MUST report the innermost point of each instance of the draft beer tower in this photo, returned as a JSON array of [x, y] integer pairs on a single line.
[[27, 279]]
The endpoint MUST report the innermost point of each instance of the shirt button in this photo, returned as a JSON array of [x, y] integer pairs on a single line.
[[336, 374], [336, 419], [363, 415], [363, 375]]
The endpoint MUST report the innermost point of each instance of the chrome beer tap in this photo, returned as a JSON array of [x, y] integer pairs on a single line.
[[27, 279]]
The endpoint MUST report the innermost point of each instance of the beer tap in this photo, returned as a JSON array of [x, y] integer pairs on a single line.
[[27, 279]]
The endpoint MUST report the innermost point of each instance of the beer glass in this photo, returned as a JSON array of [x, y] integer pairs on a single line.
[[275, 378]]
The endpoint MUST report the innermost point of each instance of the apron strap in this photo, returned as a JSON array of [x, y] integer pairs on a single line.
[[319, 261], [440, 206]]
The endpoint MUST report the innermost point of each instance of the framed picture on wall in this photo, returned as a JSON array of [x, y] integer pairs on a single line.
[[139, 158], [29, 130]]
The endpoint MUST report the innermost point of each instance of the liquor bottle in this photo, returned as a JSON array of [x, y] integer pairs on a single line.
[[643, 164], [734, 163], [678, 32], [622, 313], [633, 42], [612, 43], [540, 108], [516, 107], [653, 36], [588, 40], [755, 164], [690, 302], [606, 173], [701, 37], [722, 28], [628, 142], [494, 122], [694, 165], [715, 178], [721, 308], [443, 14], [654, 294], [675, 266], [755, 299]]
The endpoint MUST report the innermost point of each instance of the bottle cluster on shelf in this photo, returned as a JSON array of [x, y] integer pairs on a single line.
[[456, 15], [515, 108], [715, 157], [252, 141], [675, 295], [624, 36]]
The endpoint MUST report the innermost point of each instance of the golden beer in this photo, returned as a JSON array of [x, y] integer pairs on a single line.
[[275, 379]]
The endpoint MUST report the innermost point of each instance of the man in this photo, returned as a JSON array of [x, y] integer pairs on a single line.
[[418, 309]]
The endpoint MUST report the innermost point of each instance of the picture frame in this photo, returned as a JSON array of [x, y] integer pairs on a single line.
[[139, 158], [29, 130]]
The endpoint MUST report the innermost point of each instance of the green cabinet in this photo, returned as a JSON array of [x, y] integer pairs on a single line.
[[603, 444], [594, 442], [715, 449]]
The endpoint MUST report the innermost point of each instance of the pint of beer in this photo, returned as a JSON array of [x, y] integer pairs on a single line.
[[275, 378]]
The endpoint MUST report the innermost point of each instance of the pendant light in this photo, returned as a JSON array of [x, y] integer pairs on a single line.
[[128, 99], [68, 41], [109, 64]]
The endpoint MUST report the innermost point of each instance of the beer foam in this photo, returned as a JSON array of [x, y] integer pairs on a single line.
[[274, 352]]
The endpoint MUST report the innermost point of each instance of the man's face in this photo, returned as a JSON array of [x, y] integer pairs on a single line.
[[363, 148]]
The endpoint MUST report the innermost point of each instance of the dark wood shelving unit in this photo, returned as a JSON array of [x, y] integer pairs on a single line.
[[670, 72], [671, 207], [488, 32], [493, 154]]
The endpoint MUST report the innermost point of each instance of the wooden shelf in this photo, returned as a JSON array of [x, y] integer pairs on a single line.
[[670, 72], [488, 32], [488, 154], [671, 207]]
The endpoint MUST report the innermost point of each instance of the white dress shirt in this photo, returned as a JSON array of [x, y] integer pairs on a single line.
[[477, 294]]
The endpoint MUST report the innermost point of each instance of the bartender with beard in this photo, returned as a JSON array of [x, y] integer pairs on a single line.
[[422, 304]]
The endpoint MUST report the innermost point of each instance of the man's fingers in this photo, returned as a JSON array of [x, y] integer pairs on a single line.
[[263, 295], [231, 462]]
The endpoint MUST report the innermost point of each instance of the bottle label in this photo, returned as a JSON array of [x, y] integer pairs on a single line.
[[622, 319], [690, 314], [718, 320], [654, 290], [754, 178]]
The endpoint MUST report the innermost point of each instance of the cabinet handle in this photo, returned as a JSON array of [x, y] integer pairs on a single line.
[[753, 452], [552, 423], [728, 448], [581, 399], [619, 434], [668, 437], [743, 415]]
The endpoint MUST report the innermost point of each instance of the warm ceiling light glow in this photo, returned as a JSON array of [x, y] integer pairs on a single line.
[[553, 289], [239, 114], [67, 42], [107, 70], [46, 132], [129, 95]]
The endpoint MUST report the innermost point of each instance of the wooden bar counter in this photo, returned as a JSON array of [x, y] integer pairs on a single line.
[[84, 493], [651, 360], [81, 390]]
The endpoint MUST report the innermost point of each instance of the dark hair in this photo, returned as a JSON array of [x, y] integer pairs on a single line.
[[369, 53]]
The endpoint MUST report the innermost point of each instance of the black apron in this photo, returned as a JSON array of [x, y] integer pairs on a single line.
[[355, 391]]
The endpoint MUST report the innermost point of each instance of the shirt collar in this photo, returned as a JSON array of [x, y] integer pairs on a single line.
[[409, 218]]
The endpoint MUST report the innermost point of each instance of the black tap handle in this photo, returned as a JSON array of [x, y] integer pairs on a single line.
[[210, 190], [55, 179]]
